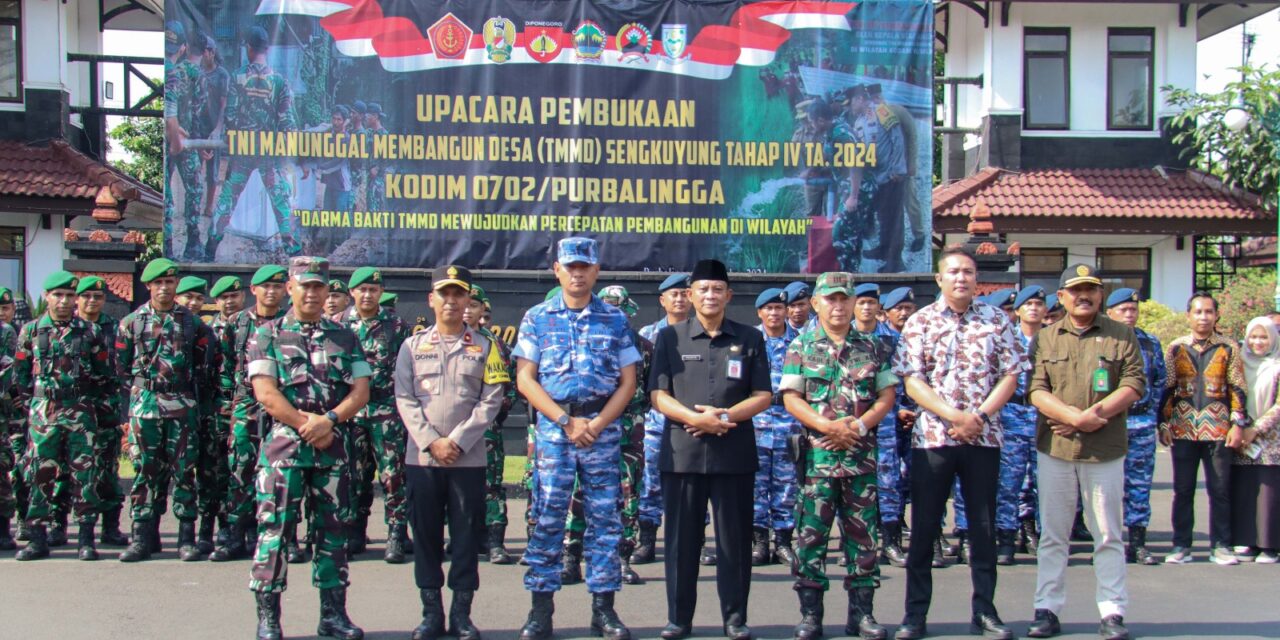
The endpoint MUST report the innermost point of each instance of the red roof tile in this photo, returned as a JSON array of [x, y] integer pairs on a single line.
[[1096, 193], [57, 170]]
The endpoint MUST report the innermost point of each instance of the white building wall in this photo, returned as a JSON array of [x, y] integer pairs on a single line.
[[45, 249]]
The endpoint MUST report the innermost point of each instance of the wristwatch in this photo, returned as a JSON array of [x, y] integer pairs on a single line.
[[986, 419], [332, 416], [563, 420]]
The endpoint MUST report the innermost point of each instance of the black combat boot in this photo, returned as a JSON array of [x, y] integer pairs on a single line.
[[58, 532], [862, 619], [708, 556], [782, 551], [6, 541], [23, 533], [187, 551], [892, 552], [949, 550], [571, 565], [962, 546], [460, 625], [111, 536], [37, 544], [86, 551], [293, 553], [194, 250], [497, 545], [538, 625], [1032, 535], [334, 622], [395, 545], [268, 616], [432, 625], [204, 536], [604, 619], [939, 553], [140, 544], [811, 612], [1006, 542], [1079, 530], [156, 546], [648, 544], [233, 549], [759, 546], [1137, 551], [357, 537], [629, 575]]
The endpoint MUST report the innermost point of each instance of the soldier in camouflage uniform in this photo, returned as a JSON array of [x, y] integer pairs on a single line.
[[337, 305], [184, 97], [837, 382], [259, 100], [632, 469], [14, 428], [210, 457], [228, 295], [91, 295], [775, 485], [494, 526], [577, 368], [59, 359], [247, 418], [377, 434], [359, 168], [8, 503], [160, 349], [376, 182], [310, 375]]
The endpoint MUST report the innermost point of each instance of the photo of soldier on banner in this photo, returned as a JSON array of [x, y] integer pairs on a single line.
[[779, 136]]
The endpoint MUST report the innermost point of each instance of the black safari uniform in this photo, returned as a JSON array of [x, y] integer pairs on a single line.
[[697, 369]]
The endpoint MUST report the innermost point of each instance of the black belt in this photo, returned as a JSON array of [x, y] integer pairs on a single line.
[[163, 387], [581, 409], [59, 394]]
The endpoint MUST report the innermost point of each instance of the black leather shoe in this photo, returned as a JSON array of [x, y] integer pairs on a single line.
[[708, 557], [911, 630], [1112, 628], [675, 631], [989, 625], [1045, 625], [737, 632]]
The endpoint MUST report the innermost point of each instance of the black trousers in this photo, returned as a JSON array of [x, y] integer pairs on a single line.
[[435, 494], [684, 497], [1187, 456], [933, 471]]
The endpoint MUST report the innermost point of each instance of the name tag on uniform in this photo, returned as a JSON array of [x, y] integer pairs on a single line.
[[693, 358], [734, 369]]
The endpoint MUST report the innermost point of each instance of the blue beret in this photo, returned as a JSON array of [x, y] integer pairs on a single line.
[[1121, 296], [1002, 297], [867, 289], [1051, 302], [770, 295], [1027, 294], [796, 292], [674, 281], [897, 297]]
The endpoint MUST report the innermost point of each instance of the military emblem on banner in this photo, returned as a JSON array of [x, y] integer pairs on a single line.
[[588, 41], [542, 40], [499, 39], [634, 42], [675, 41], [449, 37]]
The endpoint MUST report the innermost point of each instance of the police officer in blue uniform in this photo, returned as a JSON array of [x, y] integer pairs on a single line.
[[775, 487], [1018, 456], [576, 365], [800, 315]]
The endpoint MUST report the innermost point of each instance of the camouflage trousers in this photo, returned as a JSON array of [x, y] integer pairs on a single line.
[[651, 486], [280, 492], [558, 465], [163, 450], [242, 462], [361, 463], [631, 470], [495, 494], [376, 198], [238, 172], [852, 230], [59, 446], [1017, 463], [106, 453], [16, 442], [1139, 467], [187, 165], [8, 502], [389, 442], [775, 484], [853, 502], [889, 470], [212, 464]]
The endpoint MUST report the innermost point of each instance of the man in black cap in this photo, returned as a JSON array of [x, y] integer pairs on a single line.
[[710, 376]]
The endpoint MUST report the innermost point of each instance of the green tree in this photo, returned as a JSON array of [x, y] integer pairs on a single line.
[[1244, 159], [143, 138]]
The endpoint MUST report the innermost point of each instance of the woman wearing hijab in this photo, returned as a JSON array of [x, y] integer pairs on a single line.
[[1255, 469]]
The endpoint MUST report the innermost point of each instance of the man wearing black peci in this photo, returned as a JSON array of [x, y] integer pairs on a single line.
[[710, 376]]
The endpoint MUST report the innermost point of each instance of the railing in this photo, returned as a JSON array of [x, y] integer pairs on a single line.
[[952, 92]]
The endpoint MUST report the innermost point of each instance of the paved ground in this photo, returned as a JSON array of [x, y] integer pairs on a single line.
[[62, 597]]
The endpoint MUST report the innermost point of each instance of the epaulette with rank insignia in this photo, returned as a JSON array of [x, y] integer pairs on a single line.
[[886, 116]]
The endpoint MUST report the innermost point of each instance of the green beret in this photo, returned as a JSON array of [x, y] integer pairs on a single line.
[[91, 283], [192, 284], [61, 280], [337, 286], [226, 284], [159, 268], [6, 296], [270, 273], [365, 275], [388, 299], [477, 293]]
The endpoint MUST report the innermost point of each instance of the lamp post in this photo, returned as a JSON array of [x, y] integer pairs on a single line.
[[1236, 120]]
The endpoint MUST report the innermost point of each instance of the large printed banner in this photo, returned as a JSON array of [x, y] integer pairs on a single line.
[[775, 136]]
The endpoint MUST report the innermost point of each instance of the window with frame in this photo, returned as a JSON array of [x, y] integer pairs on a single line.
[[10, 51], [1043, 267], [1131, 77], [1046, 78], [1121, 268], [13, 250]]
